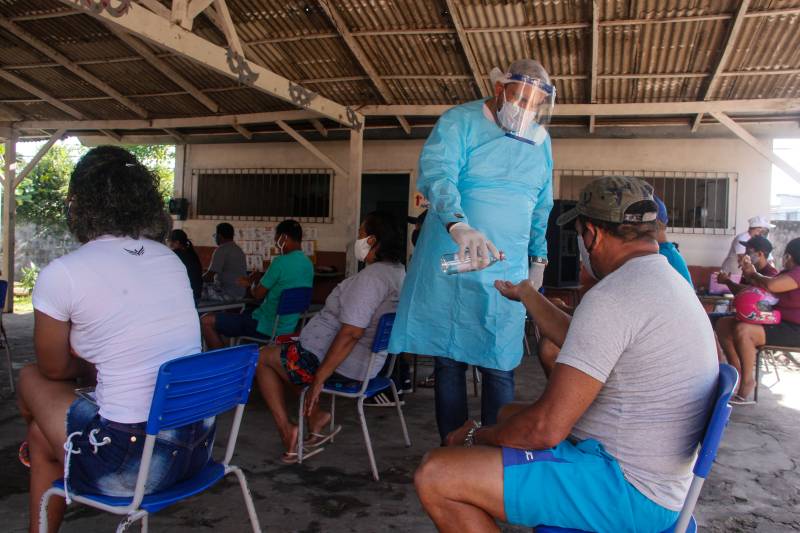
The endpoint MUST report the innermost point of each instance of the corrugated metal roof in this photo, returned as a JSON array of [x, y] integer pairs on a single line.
[[649, 51]]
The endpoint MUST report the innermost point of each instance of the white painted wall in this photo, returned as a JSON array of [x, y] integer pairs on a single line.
[[751, 194]]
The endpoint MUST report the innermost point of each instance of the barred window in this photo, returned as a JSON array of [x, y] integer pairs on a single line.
[[697, 202], [264, 193]]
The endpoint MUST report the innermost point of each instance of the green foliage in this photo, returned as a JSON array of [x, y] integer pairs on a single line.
[[29, 276], [41, 197], [160, 159]]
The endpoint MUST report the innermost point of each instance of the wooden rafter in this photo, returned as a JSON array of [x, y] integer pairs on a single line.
[[463, 39], [178, 136], [244, 132], [308, 145], [757, 145], [730, 41], [145, 24], [361, 58], [319, 127], [594, 60], [160, 65], [65, 62], [38, 156], [40, 93]]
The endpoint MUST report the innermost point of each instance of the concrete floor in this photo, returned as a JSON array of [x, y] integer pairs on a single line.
[[755, 485]]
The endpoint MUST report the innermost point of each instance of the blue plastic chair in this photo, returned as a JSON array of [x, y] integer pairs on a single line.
[[4, 339], [367, 388], [728, 378], [188, 389], [295, 301]]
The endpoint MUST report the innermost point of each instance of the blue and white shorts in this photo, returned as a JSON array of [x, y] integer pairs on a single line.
[[106, 455], [577, 486]]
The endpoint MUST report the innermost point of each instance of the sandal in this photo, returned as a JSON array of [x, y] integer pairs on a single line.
[[315, 440], [290, 458], [739, 400]]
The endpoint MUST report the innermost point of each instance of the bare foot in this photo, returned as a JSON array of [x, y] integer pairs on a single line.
[[319, 421], [290, 441]]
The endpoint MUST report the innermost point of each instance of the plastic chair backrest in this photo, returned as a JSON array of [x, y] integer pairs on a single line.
[[191, 388], [3, 293], [726, 384], [383, 332], [294, 301]]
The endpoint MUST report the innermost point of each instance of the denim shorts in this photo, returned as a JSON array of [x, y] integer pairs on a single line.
[[578, 486], [106, 455]]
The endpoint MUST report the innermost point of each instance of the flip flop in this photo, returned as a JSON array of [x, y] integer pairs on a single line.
[[290, 458], [739, 400], [427, 383], [316, 440]]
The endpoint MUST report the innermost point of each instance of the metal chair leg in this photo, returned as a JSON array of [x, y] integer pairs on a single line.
[[367, 440], [333, 416], [248, 498], [43, 505], [145, 524], [7, 347], [758, 374], [476, 380], [126, 522], [396, 398]]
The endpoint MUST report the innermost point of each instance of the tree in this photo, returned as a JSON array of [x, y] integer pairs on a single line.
[[42, 194], [160, 159]]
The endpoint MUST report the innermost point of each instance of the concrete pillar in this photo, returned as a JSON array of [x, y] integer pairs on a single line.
[[9, 214]]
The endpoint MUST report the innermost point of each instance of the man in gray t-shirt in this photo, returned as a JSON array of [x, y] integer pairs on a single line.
[[610, 444], [228, 264]]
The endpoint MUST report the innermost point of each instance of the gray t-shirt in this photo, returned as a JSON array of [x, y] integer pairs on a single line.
[[229, 263], [360, 301], [643, 333]]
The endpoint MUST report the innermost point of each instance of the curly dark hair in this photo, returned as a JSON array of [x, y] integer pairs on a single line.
[[383, 226], [111, 193]]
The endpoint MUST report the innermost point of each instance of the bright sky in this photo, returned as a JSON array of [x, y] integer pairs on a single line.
[[789, 149], [28, 149]]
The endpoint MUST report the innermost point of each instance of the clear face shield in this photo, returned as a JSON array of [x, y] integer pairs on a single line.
[[525, 107]]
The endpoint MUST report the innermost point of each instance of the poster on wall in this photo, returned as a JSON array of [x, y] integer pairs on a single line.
[[258, 245]]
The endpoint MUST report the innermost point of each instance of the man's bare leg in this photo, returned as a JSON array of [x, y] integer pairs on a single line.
[[725, 333], [208, 327], [747, 337], [272, 380], [461, 489]]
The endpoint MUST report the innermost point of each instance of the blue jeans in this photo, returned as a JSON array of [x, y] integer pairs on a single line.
[[450, 391]]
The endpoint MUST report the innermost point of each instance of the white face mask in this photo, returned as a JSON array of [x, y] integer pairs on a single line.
[[362, 248], [510, 116], [585, 259]]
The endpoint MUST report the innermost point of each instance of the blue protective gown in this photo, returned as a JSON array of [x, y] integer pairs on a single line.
[[470, 171]]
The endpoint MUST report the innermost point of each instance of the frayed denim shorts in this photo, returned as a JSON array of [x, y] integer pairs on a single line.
[[103, 457]]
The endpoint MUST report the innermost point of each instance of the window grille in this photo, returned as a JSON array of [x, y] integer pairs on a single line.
[[697, 202], [264, 194]]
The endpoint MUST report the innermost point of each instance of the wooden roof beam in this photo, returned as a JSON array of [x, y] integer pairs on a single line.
[[319, 127], [308, 145], [157, 7], [36, 91], [727, 50], [145, 24], [65, 62], [244, 132], [111, 134], [594, 60], [361, 58], [38, 156], [160, 65], [463, 39], [178, 136]]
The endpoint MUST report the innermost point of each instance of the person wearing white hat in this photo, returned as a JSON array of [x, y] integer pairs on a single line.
[[757, 225]]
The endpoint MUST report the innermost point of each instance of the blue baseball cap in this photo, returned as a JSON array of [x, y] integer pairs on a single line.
[[662, 210]]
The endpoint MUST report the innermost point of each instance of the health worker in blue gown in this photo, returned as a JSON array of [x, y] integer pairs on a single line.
[[486, 171]]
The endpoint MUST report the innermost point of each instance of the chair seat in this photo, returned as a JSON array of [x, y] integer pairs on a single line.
[[691, 528], [375, 386], [152, 503]]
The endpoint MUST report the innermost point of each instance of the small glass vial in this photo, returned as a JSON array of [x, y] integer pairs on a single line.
[[451, 264]]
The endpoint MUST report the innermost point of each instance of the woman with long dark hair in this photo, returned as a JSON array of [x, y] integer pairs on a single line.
[[179, 243], [120, 306], [335, 346]]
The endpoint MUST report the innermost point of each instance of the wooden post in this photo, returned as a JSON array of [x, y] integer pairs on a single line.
[[354, 202], [9, 214]]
